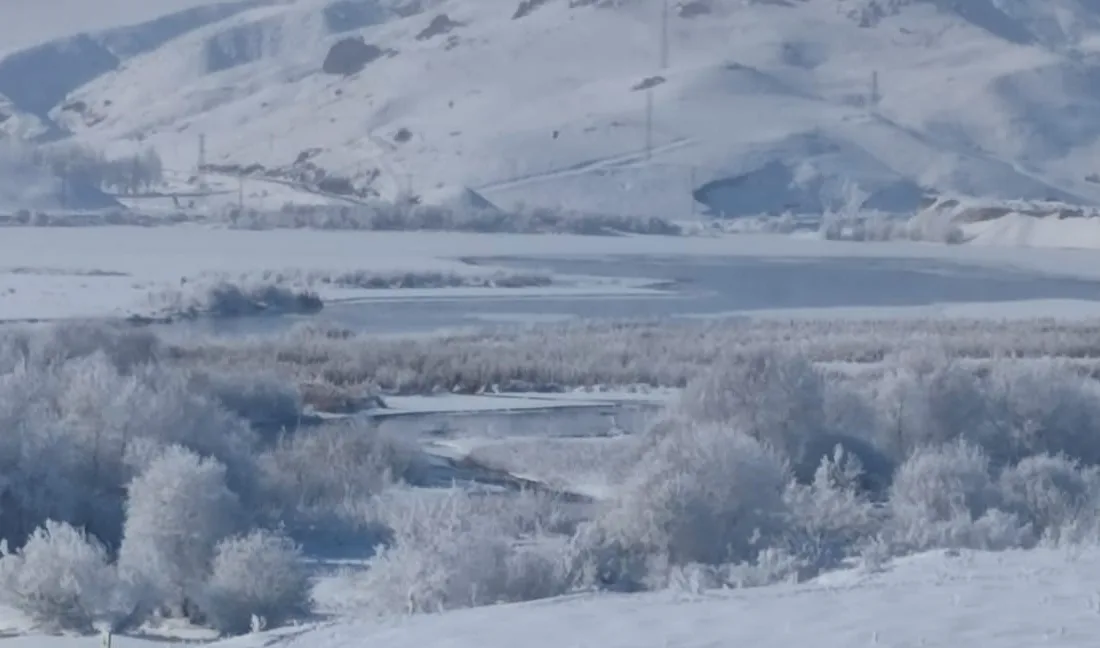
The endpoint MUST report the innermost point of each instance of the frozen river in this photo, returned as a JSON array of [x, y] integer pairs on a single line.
[[703, 286]]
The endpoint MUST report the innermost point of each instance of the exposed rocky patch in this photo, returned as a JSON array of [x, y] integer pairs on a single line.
[[648, 82], [39, 78], [349, 56], [441, 24], [526, 7]]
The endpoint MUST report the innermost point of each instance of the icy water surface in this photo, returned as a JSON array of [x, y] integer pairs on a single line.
[[698, 286]]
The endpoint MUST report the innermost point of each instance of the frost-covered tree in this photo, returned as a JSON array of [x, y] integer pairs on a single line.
[[178, 510], [703, 493], [452, 550], [775, 396], [61, 578], [259, 575]]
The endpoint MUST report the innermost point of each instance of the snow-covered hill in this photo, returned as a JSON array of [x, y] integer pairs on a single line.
[[1012, 600], [936, 600], [764, 105]]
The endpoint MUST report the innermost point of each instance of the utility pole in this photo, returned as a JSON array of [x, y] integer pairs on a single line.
[[691, 188], [664, 34], [662, 63], [649, 123], [875, 96], [201, 171], [240, 193]]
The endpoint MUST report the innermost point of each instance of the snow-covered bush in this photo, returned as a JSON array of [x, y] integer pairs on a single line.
[[406, 216], [945, 496], [178, 510], [1043, 407], [773, 396], [61, 578], [228, 299], [1057, 496], [257, 575], [661, 353], [266, 401], [926, 398], [455, 549], [831, 517], [703, 493], [125, 348], [319, 471]]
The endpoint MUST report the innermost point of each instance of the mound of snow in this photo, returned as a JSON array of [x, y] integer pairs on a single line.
[[1013, 223], [17, 124]]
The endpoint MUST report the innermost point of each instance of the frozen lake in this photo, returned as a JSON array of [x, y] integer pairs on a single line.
[[700, 286]]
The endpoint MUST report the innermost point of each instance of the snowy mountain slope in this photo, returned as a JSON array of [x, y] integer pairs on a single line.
[[26, 25], [764, 106]]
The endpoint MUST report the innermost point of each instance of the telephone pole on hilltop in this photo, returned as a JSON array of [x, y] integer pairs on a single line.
[[664, 34], [648, 123], [201, 171], [662, 64]]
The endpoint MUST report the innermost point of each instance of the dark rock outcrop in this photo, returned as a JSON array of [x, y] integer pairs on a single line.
[[349, 56], [439, 25]]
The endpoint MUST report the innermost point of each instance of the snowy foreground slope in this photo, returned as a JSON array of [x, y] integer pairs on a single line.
[[1010, 600], [1006, 600], [764, 106]]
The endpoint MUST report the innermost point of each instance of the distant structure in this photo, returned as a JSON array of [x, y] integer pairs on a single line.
[[201, 171]]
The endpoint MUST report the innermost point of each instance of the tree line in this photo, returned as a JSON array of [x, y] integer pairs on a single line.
[[80, 166]]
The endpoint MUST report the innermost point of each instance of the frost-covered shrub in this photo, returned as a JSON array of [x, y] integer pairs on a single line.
[[453, 549], [125, 348], [80, 422], [773, 396], [320, 470], [178, 510], [1054, 494], [703, 493], [832, 516], [229, 299], [61, 578], [266, 401], [945, 496], [648, 353], [255, 575], [926, 398], [408, 216], [1043, 407]]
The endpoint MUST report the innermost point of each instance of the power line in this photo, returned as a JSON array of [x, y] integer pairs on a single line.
[[201, 171]]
